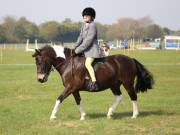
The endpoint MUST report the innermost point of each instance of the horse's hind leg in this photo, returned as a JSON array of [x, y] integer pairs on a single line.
[[117, 93], [77, 98], [131, 91]]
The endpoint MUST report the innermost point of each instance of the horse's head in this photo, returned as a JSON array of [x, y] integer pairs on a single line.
[[44, 60], [49, 56]]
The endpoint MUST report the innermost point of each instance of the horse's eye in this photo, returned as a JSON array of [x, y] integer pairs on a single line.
[[38, 60]]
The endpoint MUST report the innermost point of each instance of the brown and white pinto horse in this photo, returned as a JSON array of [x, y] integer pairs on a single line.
[[111, 73]]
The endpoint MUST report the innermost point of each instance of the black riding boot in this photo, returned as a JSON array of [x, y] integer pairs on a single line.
[[93, 86]]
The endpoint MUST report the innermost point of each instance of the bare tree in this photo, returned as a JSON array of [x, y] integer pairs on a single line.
[[127, 28], [9, 24]]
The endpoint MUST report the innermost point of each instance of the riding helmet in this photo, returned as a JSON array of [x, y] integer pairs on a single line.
[[89, 11]]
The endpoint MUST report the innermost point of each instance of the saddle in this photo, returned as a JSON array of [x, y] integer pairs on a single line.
[[98, 61], [95, 65]]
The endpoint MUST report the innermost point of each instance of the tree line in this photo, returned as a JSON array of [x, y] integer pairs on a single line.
[[14, 30]]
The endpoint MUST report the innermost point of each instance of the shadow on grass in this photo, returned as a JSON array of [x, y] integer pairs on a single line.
[[122, 115]]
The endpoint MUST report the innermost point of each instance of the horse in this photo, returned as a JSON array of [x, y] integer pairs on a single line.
[[111, 72]]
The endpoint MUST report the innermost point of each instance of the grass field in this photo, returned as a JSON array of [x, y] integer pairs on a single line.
[[25, 104]]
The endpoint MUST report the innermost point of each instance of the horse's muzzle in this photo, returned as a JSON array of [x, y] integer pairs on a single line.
[[42, 78]]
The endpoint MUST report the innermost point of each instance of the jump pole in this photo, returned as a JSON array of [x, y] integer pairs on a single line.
[[1, 55], [27, 43], [36, 46], [4, 46]]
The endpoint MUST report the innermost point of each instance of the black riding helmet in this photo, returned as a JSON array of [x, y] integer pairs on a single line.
[[89, 11]]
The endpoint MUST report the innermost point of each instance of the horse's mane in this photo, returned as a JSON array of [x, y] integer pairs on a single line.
[[67, 51], [46, 47]]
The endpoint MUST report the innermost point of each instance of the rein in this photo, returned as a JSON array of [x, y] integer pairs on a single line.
[[71, 58]]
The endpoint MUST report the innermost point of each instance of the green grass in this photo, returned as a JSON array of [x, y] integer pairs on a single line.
[[25, 104]]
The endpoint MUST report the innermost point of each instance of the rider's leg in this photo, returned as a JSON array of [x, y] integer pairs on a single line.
[[88, 64]]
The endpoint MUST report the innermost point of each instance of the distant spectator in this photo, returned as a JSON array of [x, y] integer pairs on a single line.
[[105, 50]]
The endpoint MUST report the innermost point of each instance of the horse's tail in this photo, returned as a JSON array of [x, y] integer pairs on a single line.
[[144, 80]]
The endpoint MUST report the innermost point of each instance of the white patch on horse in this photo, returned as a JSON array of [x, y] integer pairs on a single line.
[[40, 76], [83, 114], [114, 105], [59, 51], [54, 111], [135, 109]]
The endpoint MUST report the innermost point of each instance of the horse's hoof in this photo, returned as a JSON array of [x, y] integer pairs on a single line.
[[81, 119], [83, 116], [109, 117], [134, 117], [53, 118]]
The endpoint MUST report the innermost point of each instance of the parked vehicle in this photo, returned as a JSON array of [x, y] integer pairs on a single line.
[[124, 44], [111, 45]]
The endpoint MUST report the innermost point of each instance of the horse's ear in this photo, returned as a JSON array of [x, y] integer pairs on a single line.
[[37, 52]]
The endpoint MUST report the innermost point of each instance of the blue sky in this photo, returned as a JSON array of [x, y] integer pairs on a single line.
[[163, 12]]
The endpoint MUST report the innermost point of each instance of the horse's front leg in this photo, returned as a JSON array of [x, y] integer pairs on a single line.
[[59, 100], [77, 98]]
